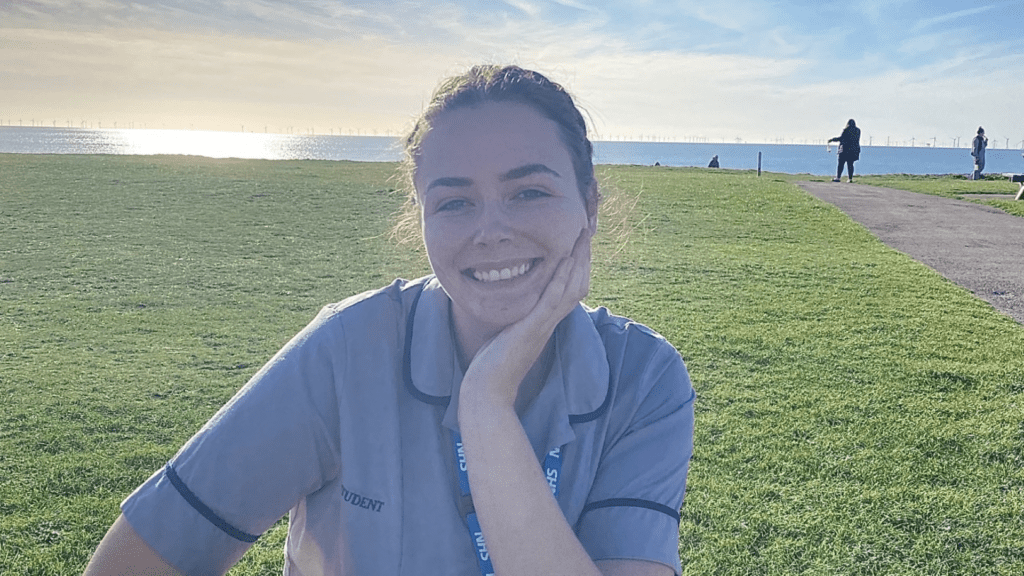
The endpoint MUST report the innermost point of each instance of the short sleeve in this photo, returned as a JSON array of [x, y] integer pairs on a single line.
[[633, 508], [274, 443]]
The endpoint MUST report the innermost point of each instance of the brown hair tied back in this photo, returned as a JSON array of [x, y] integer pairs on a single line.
[[491, 83]]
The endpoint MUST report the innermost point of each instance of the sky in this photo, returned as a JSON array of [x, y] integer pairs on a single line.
[[927, 72]]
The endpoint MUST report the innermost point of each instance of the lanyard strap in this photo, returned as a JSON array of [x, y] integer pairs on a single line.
[[552, 471]]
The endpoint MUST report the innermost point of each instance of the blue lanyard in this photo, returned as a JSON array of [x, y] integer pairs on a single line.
[[552, 471]]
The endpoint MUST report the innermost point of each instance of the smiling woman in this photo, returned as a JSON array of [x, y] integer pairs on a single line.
[[492, 205], [477, 420]]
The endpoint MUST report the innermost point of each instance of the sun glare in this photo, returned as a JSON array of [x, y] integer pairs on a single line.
[[204, 143]]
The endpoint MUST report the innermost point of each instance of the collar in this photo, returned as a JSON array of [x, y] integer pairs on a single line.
[[576, 390]]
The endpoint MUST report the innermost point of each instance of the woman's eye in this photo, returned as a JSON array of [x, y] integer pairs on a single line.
[[532, 193], [450, 205]]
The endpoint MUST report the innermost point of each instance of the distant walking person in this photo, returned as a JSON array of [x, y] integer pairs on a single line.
[[849, 149], [978, 151]]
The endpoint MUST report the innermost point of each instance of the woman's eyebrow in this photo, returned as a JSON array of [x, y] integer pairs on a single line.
[[513, 174], [527, 170], [451, 182]]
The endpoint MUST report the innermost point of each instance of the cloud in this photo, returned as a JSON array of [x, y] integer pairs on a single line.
[[528, 8], [743, 68], [575, 5], [734, 15], [259, 18], [281, 82], [949, 17]]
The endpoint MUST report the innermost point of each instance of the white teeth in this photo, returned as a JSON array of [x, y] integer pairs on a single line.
[[503, 274]]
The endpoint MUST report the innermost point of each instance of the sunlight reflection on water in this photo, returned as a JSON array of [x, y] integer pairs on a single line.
[[248, 145], [202, 143]]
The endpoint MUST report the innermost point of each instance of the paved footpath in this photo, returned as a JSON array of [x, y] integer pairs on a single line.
[[978, 247]]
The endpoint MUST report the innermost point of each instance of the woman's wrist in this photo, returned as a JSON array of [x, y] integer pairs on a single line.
[[483, 403]]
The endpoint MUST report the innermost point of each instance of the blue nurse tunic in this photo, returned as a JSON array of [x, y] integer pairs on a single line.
[[348, 430]]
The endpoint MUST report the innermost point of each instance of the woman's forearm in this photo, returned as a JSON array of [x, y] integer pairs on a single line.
[[525, 530]]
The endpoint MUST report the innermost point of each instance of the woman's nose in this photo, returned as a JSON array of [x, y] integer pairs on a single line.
[[493, 225]]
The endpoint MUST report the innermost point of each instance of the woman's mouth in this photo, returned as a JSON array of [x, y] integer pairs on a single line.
[[505, 273]]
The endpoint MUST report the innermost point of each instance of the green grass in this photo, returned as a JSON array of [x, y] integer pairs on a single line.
[[857, 413], [950, 186]]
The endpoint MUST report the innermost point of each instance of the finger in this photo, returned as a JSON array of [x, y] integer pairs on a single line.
[[579, 283], [554, 303], [582, 245], [577, 280], [573, 271], [559, 287]]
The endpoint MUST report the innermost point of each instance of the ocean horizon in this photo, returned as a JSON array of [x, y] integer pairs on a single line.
[[814, 159]]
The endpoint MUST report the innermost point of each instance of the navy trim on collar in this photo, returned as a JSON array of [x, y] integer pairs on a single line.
[[446, 400], [581, 418], [407, 360]]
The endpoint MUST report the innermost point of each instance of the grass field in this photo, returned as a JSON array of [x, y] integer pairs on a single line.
[[857, 413]]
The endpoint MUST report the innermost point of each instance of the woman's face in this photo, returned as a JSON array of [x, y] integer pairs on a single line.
[[500, 209]]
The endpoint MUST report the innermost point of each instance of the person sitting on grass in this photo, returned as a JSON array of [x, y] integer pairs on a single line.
[[477, 420]]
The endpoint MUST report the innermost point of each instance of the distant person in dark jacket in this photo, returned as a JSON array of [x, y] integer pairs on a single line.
[[978, 146], [849, 149], [714, 162]]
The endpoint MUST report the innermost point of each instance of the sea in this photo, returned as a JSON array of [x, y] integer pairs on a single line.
[[815, 159]]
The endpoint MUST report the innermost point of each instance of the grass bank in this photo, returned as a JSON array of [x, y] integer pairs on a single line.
[[857, 413]]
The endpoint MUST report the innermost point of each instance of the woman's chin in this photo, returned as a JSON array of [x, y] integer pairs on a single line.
[[487, 318], [497, 319]]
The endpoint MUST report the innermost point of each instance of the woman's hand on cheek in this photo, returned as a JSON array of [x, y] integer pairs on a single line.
[[499, 367], [567, 288]]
